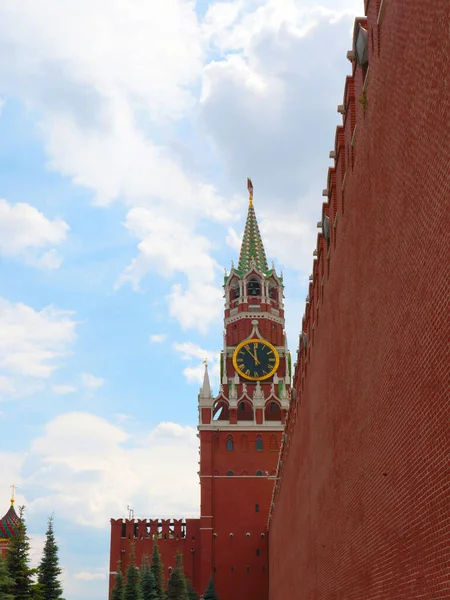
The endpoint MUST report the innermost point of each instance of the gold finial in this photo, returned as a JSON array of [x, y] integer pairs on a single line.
[[250, 191], [14, 488], [205, 362]]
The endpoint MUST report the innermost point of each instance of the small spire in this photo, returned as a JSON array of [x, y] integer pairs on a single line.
[[205, 392], [13, 487]]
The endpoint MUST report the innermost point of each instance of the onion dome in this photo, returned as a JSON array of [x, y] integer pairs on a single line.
[[9, 523]]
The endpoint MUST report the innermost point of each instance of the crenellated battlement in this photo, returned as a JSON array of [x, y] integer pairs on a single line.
[[155, 529]]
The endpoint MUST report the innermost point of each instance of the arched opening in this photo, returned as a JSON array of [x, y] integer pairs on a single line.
[[230, 473], [259, 443], [254, 287], [221, 411], [272, 411], [245, 411], [230, 444], [259, 473]]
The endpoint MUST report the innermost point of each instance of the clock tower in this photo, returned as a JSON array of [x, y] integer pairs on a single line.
[[240, 429]]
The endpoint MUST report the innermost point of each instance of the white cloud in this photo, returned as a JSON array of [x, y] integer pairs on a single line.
[[91, 382], [233, 239], [79, 455], [26, 233], [158, 338], [196, 356], [32, 343], [89, 576], [170, 247]]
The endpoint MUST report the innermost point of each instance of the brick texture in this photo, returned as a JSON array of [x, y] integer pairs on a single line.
[[362, 509]]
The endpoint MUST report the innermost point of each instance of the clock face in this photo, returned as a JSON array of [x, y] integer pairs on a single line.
[[256, 359]]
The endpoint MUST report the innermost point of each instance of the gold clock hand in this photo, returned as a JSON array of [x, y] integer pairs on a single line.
[[252, 355], [255, 348]]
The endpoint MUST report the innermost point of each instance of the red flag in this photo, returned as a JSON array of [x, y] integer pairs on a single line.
[[250, 186]]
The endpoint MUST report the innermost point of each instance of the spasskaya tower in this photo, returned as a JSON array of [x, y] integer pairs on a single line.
[[240, 429], [240, 432]]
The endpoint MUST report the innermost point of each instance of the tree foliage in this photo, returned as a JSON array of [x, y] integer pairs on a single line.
[[192, 594], [176, 587], [6, 581], [210, 593], [117, 593], [49, 570], [148, 590], [18, 559], [157, 570], [132, 590]]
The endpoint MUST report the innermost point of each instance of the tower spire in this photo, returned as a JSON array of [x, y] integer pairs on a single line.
[[252, 248], [205, 391]]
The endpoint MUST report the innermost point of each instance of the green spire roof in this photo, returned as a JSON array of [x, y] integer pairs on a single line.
[[252, 246]]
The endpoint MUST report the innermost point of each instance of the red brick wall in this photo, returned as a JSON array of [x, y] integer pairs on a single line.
[[363, 507]]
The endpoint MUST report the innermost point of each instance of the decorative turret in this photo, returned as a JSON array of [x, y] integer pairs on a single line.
[[8, 525]]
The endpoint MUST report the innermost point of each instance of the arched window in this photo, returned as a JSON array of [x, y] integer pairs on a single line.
[[256, 507], [230, 473], [254, 287], [273, 407], [259, 473], [230, 444], [259, 443]]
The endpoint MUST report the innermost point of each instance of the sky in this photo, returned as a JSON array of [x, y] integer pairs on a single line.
[[127, 131]]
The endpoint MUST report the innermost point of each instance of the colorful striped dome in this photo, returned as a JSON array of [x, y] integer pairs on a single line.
[[8, 524]]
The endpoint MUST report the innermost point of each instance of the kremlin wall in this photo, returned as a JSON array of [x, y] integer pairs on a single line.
[[361, 509]]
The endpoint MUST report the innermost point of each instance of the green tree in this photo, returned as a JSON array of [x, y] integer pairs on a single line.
[[210, 593], [132, 590], [158, 572], [176, 587], [18, 559], [49, 570], [118, 590], [192, 594], [6, 581], [148, 590]]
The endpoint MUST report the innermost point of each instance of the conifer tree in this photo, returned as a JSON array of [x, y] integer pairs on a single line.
[[18, 559], [158, 572], [148, 591], [210, 593], [49, 570], [176, 587], [6, 582], [118, 590], [192, 594], [132, 591]]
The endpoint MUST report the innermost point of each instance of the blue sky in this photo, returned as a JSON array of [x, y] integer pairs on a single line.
[[127, 131]]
